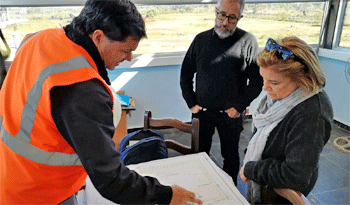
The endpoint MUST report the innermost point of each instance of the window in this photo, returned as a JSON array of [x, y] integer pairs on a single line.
[[279, 20], [16, 22], [345, 33], [171, 28]]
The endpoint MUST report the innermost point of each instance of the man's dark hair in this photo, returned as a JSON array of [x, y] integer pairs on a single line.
[[118, 19]]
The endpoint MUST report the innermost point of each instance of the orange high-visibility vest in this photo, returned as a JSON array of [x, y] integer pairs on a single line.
[[37, 165]]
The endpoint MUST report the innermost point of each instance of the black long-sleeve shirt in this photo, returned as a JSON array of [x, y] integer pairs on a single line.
[[83, 114], [222, 68]]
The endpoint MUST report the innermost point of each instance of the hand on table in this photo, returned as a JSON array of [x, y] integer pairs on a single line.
[[182, 196]]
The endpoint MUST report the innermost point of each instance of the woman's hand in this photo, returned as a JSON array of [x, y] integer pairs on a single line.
[[241, 174]]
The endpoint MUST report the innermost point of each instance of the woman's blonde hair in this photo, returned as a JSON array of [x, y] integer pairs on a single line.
[[303, 67]]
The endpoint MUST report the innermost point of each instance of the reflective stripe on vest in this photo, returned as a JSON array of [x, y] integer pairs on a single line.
[[20, 143], [26, 38]]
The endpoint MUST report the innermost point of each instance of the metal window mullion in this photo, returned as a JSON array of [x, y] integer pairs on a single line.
[[340, 23], [327, 32], [326, 13]]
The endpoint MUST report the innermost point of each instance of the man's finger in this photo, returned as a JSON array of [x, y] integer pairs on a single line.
[[198, 201], [191, 195], [194, 202]]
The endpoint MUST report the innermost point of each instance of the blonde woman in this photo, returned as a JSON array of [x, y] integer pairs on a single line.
[[292, 123]]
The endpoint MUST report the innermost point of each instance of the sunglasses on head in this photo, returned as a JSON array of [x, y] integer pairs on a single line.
[[283, 52]]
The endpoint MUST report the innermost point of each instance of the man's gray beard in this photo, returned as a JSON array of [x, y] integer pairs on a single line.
[[223, 34]]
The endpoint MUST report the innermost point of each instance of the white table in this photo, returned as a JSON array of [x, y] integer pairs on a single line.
[[195, 172]]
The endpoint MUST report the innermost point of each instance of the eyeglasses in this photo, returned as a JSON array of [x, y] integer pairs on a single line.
[[222, 16], [283, 52]]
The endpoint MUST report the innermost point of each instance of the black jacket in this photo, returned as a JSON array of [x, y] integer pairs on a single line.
[[292, 151]]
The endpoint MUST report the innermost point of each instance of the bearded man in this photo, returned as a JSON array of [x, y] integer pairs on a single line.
[[223, 59]]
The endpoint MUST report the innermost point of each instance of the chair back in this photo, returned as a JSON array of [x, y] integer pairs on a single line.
[[193, 129]]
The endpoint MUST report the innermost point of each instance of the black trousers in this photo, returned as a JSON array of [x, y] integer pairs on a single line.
[[229, 130]]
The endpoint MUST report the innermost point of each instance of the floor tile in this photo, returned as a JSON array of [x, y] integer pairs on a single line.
[[215, 150], [339, 196], [313, 199], [340, 132], [331, 177], [247, 131], [243, 143], [340, 159], [329, 148]]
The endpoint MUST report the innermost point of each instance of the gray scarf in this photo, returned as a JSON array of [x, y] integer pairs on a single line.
[[267, 116]]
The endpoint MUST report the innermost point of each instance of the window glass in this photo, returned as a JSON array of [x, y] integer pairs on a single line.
[[171, 28], [279, 20], [345, 34], [16, 22]]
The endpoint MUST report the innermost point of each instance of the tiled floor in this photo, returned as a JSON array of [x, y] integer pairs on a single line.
[[333, 185]]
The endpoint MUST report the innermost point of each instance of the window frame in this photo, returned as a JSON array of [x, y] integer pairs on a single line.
[[24, 3], [175, 58], [339, 26]]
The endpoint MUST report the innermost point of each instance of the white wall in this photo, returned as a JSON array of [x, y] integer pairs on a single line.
[[153, 88], [156, 89], [338, 87]]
